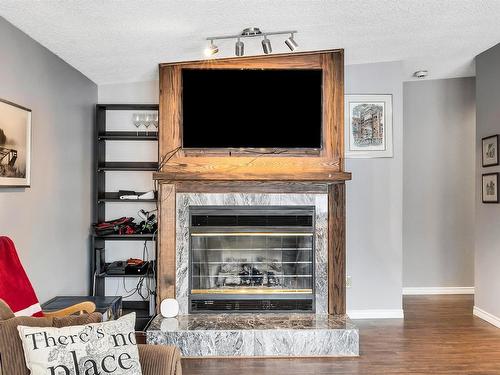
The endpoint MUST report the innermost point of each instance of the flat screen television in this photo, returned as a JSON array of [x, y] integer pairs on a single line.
[[251, 108]]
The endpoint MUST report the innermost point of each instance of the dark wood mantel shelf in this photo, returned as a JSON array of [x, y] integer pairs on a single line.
[[313, 176]]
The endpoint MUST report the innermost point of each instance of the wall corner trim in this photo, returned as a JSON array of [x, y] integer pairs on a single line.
[[486, 316], [376, 314], [438, 290]]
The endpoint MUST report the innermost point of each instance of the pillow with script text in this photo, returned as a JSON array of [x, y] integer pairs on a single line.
[[92, 349]]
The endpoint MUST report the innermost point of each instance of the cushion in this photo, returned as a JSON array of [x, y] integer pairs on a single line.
[[94, 348], [11, 349], [77, 320]]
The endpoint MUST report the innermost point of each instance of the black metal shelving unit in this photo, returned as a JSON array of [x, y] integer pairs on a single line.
[[98, 275]]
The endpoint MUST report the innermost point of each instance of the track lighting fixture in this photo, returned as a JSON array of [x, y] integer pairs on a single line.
[[252, 32], [291, 43], [266, 46], [239, 48], [212, 49]]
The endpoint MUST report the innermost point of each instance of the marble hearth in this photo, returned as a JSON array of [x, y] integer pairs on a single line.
[[257, 334], [260, 335]]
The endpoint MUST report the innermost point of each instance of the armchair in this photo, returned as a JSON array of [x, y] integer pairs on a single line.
[[154, 359]]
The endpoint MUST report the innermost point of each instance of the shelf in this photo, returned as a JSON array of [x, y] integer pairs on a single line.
[[128, 166], [104, 137], [104, 274], [115, 197], [128, 107], [127, 237], [128, 136]]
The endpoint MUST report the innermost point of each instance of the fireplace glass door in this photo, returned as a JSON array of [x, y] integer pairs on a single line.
[[252, 258]]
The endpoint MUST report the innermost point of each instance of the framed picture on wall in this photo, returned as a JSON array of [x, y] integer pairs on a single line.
[[15, 145], [490, 188], [368, 126], [490, 150]]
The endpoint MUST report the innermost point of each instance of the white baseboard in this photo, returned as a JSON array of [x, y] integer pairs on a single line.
[[439, 290], [490, 318], [376, 314]]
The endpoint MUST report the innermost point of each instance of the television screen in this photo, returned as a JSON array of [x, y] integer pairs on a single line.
[[229, 108]]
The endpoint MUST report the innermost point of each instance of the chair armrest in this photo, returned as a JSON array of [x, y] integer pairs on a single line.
[[160, 360], [82, 307]]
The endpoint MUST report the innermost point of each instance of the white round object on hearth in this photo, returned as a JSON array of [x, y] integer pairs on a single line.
[[169, 308]]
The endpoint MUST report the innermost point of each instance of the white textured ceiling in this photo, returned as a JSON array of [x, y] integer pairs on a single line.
[[123, 41]]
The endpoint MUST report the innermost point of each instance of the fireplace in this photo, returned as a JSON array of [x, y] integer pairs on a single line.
[[254, 177], [251, 258]]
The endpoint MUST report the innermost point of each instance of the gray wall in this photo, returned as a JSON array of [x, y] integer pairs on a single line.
[[438, 183], [49, 222], [147, 92], [374, 201], [487, 249]]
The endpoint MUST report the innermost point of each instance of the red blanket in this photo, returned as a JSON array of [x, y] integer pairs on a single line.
[[15, 287]]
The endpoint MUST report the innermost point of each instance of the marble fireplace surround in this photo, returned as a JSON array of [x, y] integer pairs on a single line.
[[185, 200]]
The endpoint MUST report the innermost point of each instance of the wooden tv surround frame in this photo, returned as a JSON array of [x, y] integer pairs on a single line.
[[233, 170]]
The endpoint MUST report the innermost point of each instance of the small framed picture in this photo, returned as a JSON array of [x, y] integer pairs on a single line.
[[490, 150], [15, 145], [490, 188], [368, 126]]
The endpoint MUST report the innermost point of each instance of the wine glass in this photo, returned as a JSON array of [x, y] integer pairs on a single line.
[[136, 120], [155, 120], [147, 121]]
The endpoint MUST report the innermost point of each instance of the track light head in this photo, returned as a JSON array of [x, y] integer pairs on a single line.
[[266, 45], [239, 48], [211, 50], [291, 43]]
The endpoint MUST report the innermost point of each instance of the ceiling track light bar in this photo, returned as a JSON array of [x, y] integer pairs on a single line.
[[252, 32], [256, 34]]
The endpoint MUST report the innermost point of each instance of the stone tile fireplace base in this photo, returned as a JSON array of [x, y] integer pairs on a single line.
[[259, 335]]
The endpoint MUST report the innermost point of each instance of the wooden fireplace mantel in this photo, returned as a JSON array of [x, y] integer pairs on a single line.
[[301, 174], [318, 171]]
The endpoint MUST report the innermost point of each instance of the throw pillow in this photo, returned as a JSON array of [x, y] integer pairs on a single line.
[[11, 349], [91, 349]]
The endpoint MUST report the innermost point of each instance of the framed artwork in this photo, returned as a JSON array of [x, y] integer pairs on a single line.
[[368, 126], [15, 145], [490, 188], [490, 150]]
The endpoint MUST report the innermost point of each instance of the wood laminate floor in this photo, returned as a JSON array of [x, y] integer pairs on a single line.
[[439, 335]]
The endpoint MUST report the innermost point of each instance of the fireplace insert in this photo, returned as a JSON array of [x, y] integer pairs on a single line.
[[251, 258]]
